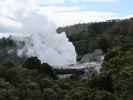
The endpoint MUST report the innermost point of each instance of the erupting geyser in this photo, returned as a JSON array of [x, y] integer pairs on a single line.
[[45, 43]]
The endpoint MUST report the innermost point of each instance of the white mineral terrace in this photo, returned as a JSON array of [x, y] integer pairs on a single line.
[[95, 65]]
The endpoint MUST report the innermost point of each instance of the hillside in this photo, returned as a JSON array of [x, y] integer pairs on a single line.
[[104, 35]]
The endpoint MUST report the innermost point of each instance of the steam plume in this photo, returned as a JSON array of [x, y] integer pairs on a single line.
[[45, 43]]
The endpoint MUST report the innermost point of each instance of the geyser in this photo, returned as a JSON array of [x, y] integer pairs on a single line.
[[45, 43]]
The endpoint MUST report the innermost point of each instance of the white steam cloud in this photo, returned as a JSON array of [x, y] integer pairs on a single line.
[[45, 43], [21, 16]]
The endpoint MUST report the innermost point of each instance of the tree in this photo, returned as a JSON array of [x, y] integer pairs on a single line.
[[103, 95], [5, 67], [118, 64], [32, 63], [47, 70], [103, 44], [78, 93], [49, 94]]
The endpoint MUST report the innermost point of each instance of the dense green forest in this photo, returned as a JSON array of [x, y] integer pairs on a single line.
[[104, 35], [23, 78]]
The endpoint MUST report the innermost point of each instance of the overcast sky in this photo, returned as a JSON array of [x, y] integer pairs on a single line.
[[62, 12]]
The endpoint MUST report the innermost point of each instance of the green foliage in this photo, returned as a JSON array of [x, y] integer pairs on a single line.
[[78, 94], [38, 83], [103, 95], [7, 42], [32, 63], [8, 51], [102, 82], [115, 38], [119, 65], [104, 35], [49, 94], [104, 43]]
